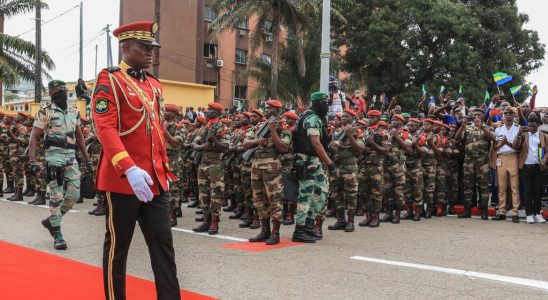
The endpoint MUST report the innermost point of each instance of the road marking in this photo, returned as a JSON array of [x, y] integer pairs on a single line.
[[217, 236], [25, 203], [506, 279]]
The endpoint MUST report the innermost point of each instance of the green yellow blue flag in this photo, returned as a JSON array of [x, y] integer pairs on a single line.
[[515, 90], [460, 94], [443, 89], [486, 97], [501, 78], [530, 93], [424, 91]]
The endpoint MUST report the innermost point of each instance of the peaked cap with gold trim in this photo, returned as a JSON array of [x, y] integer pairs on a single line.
[[144, 32]]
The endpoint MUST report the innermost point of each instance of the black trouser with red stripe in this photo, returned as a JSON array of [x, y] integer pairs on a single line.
[[153, 217]]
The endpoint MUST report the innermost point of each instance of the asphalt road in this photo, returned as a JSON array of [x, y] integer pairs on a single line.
[[338, 267]]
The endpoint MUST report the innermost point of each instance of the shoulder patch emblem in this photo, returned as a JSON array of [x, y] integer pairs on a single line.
[[101, 106], [113, 69], [101, 88]]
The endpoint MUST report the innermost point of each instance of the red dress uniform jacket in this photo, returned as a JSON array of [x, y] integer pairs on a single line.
[[130, 133]]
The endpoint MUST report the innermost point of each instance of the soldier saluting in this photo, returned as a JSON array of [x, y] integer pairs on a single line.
[[127, 110]]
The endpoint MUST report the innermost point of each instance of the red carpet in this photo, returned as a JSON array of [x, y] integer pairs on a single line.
[[260, 247], [31, 274]]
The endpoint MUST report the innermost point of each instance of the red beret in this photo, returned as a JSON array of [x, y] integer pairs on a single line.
[[258, 112], [291, 115], [239, 116], [185, 122], [2, 113], [431, 121], [247, 114], [362, 122], [32, 118], [225, 121], [382, 123], [339, 116], [215, 105], [24, 114], [374, 113], [399, 117], [9, 116], [446, 126], [275, 103], [201, 119], [350, 111], [414, 120], [172, 107]]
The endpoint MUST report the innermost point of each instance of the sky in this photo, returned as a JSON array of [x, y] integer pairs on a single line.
[[60, 36]]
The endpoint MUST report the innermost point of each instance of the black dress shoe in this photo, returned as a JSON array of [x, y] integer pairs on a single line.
[[499, 218], [515, 219]]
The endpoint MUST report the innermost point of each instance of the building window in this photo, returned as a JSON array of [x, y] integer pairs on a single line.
[[241, 56], [210, 50], [242, 24], [212, 83], [266, 58], [209, 14], [240, 92]]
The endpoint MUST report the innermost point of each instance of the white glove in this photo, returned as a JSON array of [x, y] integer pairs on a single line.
[[139, 180]]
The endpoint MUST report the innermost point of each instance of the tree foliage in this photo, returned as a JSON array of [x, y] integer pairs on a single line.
[[17, 56], [396, 46]]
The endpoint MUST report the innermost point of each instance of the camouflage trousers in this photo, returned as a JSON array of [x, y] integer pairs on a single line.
[[441, 181], [476, 175], [414, 181], [211, 185], [63, 196], [452, 181], [40, 179], [312, 189], [344, 186], [266, 184], [193, 180], [429, 167], [370, 178], [245, 179], [395, 184], [237, 183], [8, 168], [18, 170], [229, 183], [174, 188]]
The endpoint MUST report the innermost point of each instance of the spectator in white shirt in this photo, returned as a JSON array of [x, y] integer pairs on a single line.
[[507, 163], [532, 143]]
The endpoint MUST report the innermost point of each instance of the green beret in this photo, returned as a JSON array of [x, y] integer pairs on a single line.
[[55, 83], [384, 119], [405, 115], [319, 96]]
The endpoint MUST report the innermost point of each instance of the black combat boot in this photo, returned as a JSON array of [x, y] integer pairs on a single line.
[[18, 196], [350, 222], [101, 209], [27, 187], [255, 224], [248, 220], [40, 198], [99, 203], [232, 205], [300, 235], [178, 211], [341, 221], [466, 213], [204, 227], [312, 230], [237, 213], [396, 216], [10, 187], [388, 216], [58, 241], [275, 235], [264, 234], [46, 223], [484, 212]]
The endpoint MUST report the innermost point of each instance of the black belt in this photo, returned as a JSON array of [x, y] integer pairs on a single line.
[[531, 166], [61, 145]]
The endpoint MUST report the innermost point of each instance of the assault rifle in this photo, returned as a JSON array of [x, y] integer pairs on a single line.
[[262, 133]]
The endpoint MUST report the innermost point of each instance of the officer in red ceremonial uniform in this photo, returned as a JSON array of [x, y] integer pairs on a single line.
[[133, 170]]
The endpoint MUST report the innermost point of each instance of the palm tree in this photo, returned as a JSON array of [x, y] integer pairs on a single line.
[[17, 56], [273, 15]]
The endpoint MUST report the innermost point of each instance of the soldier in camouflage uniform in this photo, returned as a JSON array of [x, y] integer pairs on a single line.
[[334, 131], [190, 163], [371, 172], [234, 189], [286, 159], [210, 170], [18, 143], [413, 169], [61, 125], [310, 140], [6, 165], [345, 146], [39, 179], [29, 179], [395, 171], [250, 217], [266, 172], [476, 137], [441, 131], [182, 170], [429, 164], [236, 147], [175, 137], [452, 150]]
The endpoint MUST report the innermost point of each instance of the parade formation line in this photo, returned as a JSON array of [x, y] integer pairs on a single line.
[[60, 277], [494, 277]]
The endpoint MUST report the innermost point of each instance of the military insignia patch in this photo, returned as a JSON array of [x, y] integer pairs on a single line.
[[101, 106], [101, 88]]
